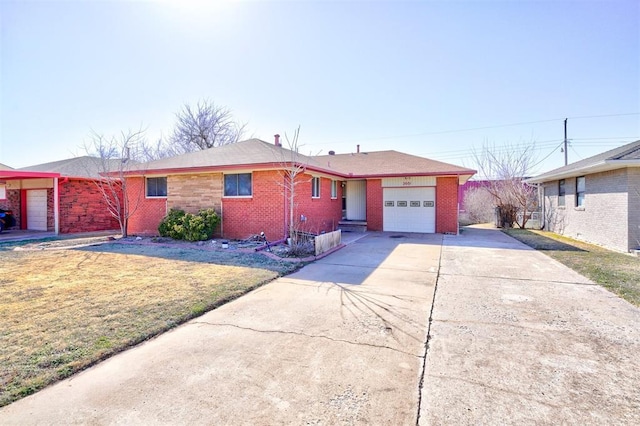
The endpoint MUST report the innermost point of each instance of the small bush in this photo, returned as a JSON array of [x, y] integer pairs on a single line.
[[186, 226]]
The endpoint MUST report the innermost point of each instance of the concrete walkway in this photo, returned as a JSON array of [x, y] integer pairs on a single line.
[[342, 341], [517, 338]]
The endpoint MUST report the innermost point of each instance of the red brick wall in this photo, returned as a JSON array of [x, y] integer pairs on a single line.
[[447, 205], [322, 214], [268, 209], [264, 211], [82, 208], [148, 211], [374, 205], [51, 220], [13, 203]]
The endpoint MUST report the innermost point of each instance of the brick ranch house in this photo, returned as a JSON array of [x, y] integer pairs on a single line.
[[59, 197], [596, 199], [243, 182]]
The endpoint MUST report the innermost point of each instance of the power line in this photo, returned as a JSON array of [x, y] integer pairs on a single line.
[[469, 129], [605, 115]]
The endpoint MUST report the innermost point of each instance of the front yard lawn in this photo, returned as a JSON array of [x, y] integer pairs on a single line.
[[618, 272], [62, 311]]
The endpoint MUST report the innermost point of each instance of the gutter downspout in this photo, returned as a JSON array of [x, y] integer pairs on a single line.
[[458, 204], [221, 204], [56, 204]]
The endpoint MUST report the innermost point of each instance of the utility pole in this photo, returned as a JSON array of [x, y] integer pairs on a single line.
[[566, 158]]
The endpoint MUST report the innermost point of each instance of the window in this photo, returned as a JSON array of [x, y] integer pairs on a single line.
[[334, 189], [561, 192], [237, 185], [315, 187], [157, 187], [3, 191], [580, 191]]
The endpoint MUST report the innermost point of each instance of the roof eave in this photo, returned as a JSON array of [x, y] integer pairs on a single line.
[[601, 166], [16, 174], [390, 175]]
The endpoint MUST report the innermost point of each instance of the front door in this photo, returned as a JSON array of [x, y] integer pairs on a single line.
[[356, 200]]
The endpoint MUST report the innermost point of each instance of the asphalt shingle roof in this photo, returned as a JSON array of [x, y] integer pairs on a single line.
[[386, 163], [82, 167], [258, 152], [608, 160], [252, 151]]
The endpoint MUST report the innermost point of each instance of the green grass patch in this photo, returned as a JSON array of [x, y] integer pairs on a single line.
[[618, 272]]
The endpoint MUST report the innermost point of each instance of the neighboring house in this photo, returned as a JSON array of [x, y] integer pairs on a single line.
[[60, 197], [596, 199], [243, 182]]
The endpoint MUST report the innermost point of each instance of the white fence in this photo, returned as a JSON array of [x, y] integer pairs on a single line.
[[325, 242]]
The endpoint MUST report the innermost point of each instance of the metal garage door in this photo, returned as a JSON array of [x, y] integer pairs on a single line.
[[37, 209], [409, 209]]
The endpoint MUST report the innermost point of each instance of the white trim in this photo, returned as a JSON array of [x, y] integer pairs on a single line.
[[408, 181], [56, 206], [146, 192], [313, 178], [601, 166]]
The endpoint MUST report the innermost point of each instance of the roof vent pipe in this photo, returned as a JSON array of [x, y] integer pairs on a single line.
[[358, 148], [277, 140], [332, 153]]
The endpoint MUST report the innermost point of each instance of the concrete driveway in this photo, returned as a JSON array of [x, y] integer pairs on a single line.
[[515, 338], [342, 341]]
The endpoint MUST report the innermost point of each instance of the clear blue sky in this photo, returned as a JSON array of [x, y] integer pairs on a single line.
[[409, 76]]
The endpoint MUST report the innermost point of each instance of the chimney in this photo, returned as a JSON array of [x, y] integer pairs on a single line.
[[277, 140], [358, 148], [332, 153]]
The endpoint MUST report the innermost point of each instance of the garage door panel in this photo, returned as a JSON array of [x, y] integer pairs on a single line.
[[409, 209], [37, 209]]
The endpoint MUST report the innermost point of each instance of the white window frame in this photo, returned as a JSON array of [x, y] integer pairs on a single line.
[[334, 189], [315, 187], [580, 201], [3, 191], [146, 187]]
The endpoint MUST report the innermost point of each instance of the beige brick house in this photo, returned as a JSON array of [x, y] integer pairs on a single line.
[[596, 199]]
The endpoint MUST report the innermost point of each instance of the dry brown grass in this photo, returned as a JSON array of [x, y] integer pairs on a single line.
[[64, 310]]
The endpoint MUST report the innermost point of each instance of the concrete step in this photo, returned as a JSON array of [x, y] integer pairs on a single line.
[[352, 226]]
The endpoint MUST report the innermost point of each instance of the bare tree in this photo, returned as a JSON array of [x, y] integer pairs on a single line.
[[145, 151], [111, 158], [292, 171], [506, 168], [479, 205], [204, 126], [554, 219]]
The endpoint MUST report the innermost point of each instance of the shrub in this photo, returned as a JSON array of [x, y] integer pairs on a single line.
[[186, 226]]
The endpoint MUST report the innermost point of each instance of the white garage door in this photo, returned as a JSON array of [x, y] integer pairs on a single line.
[[37, 209], [409, 209]]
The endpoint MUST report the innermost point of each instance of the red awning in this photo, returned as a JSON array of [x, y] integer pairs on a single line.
[[18, 174]]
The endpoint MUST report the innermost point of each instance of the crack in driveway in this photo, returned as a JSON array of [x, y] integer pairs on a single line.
[[311, 336], [498, 277]]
